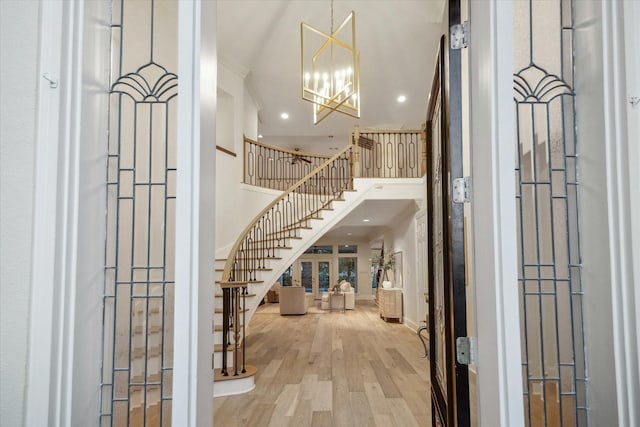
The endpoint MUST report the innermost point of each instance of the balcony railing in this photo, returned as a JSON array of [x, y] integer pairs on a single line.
[[276, 168], [390, 154]]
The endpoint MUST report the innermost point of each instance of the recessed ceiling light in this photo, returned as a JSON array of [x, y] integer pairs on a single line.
[[260, 136], [366, 220], [402, 98], [284, 116]]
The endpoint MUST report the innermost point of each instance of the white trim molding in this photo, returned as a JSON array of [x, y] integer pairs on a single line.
[[48, 394], [619, 188], [195, 215], [494, 217], [63, 367]]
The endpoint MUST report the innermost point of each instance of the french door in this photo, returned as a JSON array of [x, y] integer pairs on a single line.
[[446, 254], [315, 276]]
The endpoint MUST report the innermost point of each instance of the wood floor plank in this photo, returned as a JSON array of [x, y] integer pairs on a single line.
[[329, 369], [376, 398], [303, 414], [308, 386], [261, 415], [323, 398], [286, 402], [385, 420], [321, 419], [361, 410], [384, 379], [401, 413], [400, 362]]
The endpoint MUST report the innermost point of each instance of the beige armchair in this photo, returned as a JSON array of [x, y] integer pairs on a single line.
[[293, 300], [349, 297]]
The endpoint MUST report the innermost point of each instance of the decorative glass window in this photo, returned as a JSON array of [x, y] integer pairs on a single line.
[[547, 185], [348, 249], [319, 249], [286, 278], [348, 270]]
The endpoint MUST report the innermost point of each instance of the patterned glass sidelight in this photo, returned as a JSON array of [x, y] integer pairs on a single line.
[[547, 185], [140, 236]]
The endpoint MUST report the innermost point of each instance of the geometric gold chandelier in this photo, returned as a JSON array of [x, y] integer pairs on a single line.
[[331, 69]]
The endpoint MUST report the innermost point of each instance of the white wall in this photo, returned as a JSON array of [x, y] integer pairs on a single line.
[[402, 238], [236, 203], [18, 56]]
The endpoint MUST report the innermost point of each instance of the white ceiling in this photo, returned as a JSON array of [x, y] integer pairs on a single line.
[[397, 40], [380, 213]]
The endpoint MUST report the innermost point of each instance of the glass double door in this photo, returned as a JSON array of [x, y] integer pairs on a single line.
[[315, 276]]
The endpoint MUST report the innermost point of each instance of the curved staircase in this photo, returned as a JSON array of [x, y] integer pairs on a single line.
[[293, 221], [263, 251]]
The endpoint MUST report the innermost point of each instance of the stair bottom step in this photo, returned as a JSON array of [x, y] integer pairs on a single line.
[[250, 371]]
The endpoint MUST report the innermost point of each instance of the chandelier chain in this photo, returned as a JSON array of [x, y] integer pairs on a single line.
[[331, 17]]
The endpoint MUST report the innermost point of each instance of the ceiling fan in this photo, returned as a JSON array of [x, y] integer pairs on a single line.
[[295, 158]]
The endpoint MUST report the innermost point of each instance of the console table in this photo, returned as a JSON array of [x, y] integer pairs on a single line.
[[390, 303]]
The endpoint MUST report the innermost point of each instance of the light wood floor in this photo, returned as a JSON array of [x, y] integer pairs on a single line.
[[331, 369]]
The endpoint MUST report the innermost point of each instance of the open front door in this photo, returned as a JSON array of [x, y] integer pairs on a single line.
[[446, 258]]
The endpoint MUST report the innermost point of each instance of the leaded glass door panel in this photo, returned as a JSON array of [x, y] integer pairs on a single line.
[[446, 257]]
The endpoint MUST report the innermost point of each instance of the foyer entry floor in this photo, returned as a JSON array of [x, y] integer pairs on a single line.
[[336, 369]]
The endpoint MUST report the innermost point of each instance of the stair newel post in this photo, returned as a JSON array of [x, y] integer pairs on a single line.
[[236, 331], [226, 300], [355, 153], [244, 323]]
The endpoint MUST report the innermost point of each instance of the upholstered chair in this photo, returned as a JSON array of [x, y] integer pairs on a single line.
[[293, 300]]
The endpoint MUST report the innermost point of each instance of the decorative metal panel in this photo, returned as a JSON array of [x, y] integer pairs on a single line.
[[141, 183], [390, 154], [547, 184]]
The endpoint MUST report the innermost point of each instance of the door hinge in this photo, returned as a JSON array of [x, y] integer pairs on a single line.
[[465, 350], [462, 190], [459, 35]]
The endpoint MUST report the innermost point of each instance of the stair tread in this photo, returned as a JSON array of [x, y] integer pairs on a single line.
[[250, 372], [218, 328], [247, 295], [271, 247], [218, 282], [219, 310], [217, 348]]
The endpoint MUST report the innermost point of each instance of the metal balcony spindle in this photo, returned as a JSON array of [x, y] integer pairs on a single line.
[[244, 325], [236, 331], [226, 302]]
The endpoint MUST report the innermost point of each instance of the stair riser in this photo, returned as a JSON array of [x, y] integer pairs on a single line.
[[217, 360]]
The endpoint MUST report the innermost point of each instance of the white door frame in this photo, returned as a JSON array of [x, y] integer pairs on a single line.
[[67, 270], [195, 215], [495, 257], [59, 321]]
